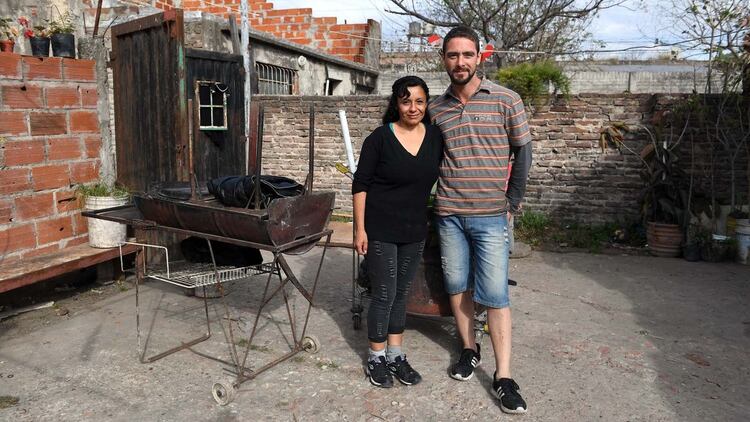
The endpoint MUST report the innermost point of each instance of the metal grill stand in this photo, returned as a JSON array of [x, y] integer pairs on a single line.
[[203, 275]]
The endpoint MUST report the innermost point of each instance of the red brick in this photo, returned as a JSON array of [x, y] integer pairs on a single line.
[[79, 70], [42, 67], [54, 230], [14, 181], [92, 146], [66, 200], [84, 121], [6, 212], [41, 251], [84, 172], [89, 97], [63, 148], [17, 238], [47, 123], [22, 96], [10, 66], [18, 153], [13, 123], [34, 206], [50, 177], [63, 97]]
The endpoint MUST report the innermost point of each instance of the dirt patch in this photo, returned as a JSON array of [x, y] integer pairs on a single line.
[[72, 295], [8, 401]]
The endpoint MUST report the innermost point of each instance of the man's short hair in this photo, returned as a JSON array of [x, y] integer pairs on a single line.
[[461, 32]]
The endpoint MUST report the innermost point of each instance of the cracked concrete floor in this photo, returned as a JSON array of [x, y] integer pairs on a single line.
[[596, 337]]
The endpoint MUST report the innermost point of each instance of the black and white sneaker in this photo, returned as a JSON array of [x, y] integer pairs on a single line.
[[403, 372], [463, 370], [377, 371], [506, 390]]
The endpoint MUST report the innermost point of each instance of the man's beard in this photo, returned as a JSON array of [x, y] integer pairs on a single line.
[[464, 81]]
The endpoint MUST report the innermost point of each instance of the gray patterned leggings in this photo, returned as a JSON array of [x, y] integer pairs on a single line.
[[391, 268]]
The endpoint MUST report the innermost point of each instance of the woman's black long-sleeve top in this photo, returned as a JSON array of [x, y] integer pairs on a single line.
[[398, 184]]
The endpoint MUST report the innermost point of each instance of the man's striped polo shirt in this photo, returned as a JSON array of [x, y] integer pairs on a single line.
[[475, 169]]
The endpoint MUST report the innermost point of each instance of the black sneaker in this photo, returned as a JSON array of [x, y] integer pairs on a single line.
[[379, 374], [506, 390], [403, 372], [463, 370]]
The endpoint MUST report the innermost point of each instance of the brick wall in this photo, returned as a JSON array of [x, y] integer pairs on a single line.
[[49, 143], [571, 179]]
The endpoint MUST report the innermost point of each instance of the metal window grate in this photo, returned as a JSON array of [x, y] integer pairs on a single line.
[[275, 80]]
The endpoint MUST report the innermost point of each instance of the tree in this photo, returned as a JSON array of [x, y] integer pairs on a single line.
[[715, 28], [524, 25]]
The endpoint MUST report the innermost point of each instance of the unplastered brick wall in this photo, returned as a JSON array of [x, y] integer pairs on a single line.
[[49, 143], [572, 179], [348, 41]]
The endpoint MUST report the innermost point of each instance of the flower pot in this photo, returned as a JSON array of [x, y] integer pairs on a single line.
[[102, 233], [63, 45], [664, 239], [39, 46], [6, 46]]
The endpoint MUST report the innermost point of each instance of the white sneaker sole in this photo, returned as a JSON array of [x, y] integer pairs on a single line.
[[505, 409], [462, 378]]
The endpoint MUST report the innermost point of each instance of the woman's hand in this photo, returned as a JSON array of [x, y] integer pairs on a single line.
[[360, 241]]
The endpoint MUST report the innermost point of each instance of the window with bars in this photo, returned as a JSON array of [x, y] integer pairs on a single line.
[[212, 105], [275, 80]]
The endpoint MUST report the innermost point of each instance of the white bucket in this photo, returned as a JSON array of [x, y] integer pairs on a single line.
[[742, 232], [102, 233]]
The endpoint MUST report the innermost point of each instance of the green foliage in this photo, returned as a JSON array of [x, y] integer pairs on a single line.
[[62, 25], [531, 80], [538, 230], [101, 189], [531, 227], [589, 237]]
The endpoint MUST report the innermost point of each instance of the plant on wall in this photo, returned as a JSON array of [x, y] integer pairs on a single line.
[[62, 25], [532, 80]]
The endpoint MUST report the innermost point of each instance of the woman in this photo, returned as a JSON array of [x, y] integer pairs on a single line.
[[397, 168]]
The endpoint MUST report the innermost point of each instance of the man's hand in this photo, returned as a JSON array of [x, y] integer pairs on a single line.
[[360, 242]]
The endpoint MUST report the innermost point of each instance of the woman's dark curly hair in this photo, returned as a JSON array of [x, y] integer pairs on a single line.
[[401, 90]]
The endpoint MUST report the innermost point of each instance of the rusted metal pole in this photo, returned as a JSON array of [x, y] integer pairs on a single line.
[[311, 151], [258, 156], [98, 15]]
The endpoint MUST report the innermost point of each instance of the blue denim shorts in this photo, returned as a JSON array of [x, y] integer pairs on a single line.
[[474, 254]]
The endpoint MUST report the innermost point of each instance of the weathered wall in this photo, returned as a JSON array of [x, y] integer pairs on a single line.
[[49, 142], [572, 177]]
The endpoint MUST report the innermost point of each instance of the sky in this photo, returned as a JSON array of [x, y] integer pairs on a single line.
[[636, 25]]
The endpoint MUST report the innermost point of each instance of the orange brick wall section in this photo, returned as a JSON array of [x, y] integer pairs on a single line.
[[295, 25], [49, 143]]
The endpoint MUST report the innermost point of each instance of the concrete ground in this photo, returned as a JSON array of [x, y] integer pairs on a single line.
[[596, 337]]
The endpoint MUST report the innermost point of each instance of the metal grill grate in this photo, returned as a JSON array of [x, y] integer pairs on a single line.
[[275, 80], [190, 275]]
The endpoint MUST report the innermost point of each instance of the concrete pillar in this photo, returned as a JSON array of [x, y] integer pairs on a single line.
[[96, 49]]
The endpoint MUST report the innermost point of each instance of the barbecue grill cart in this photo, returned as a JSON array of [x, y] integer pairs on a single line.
[[286, 226]]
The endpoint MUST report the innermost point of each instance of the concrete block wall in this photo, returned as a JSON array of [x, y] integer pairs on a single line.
[[49, 143], [572, 179]]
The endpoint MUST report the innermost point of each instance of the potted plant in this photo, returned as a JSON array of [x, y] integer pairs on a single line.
[[61, 34], [8, 34], [697, 237], [38, 36], [104, 234]]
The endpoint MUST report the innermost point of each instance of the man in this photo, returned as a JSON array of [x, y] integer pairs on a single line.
[[483, 124]]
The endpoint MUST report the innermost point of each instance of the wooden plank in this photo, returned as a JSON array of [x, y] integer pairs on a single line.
[[234, 34], [44, 267], [212, 55], [138, 25]]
